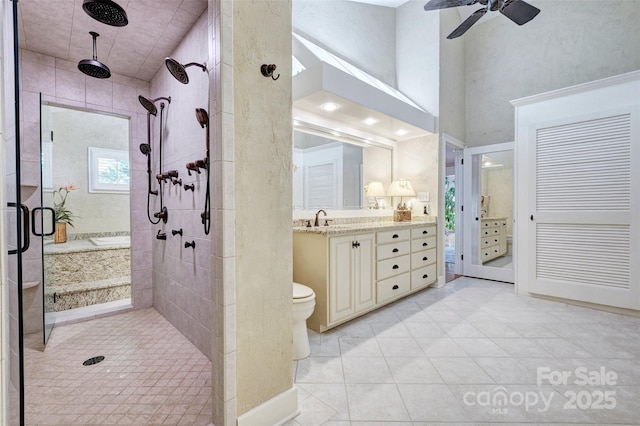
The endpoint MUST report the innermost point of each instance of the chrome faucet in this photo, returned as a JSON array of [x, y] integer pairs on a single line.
[[315, 223]]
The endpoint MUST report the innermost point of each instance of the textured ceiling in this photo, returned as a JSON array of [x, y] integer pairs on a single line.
[[60, 28]]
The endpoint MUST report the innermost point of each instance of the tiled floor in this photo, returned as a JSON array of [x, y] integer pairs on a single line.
[[151, 375], [453, 355]]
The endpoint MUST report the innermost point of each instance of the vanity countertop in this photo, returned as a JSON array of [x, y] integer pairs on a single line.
[[351, 228]]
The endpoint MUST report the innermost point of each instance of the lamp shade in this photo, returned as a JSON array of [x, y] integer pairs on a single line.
[[375, 189], [401, 188]]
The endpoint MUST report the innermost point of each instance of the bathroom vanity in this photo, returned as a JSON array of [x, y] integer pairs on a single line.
[[493, 234], [356, 268]]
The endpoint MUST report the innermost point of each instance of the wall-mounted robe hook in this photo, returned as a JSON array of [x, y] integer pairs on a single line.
[[267, 71]]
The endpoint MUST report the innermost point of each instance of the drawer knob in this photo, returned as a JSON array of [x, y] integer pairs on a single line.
[[425, 276], [395, 250], [424, 244], [425, 232], [395, 267], [425, 258], [395, 236], [395, 287]]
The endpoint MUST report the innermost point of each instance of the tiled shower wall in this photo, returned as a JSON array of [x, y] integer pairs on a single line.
[[61, 83], [182, 276]]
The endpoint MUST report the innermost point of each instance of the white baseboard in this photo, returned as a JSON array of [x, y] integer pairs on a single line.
[[276, 411]]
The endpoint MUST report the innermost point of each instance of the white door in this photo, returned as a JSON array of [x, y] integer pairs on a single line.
[[581, 209], [488, 212]]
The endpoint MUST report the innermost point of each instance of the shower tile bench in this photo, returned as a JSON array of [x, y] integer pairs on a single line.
[[78, 273]]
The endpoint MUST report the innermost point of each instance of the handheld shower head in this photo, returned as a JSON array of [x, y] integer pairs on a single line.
[[203, 117], [145, 148], [93, 67], [179, 72]]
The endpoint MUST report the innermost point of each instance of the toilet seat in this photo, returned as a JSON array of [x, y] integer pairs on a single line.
[[301, 292]]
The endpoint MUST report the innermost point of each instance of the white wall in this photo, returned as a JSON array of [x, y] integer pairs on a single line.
[[452, 117], [417, 55], [568, 43], [362, 34]]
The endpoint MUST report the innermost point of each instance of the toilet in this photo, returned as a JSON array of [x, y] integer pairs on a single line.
[[304, 301]]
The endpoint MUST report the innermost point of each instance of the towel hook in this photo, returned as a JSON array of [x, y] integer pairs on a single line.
[[267, 71]]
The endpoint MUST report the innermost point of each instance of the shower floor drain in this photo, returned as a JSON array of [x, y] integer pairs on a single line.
[[94, 360]]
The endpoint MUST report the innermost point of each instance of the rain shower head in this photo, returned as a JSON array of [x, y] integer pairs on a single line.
[[93, 67], [203, 117], [149, 104], [179, 72], [145, 148], [106, 11]]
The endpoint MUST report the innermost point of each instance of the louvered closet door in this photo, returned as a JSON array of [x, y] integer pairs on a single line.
[[582, 224]]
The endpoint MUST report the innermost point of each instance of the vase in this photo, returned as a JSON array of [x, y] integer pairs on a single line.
[[60, 235]]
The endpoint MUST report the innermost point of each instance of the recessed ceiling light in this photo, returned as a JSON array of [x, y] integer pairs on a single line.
[[370, 121], [487, 163], [401, 132], [329, 106]]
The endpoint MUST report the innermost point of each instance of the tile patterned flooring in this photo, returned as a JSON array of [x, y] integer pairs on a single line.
[[445, 355], [151, 375]]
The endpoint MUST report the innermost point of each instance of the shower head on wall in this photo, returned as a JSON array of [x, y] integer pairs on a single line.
[[93, 67], [106, 11], [145, 148], [149, 104], [179, 72], [202, 116]]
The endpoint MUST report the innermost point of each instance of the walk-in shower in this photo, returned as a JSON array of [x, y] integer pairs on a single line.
[[145, 148], [178, 70], [93, 67]]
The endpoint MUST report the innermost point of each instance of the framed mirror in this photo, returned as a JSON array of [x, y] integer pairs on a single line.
[[331, 171]]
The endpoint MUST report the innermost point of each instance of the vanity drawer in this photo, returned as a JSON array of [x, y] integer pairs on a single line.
[[490, 241], [423, 243], [425, 231], [423, 258], [394, 266], [423, 276], [385, 237], [392, 250], [393, 287], [490, 252], [490, 223], [490, 231]]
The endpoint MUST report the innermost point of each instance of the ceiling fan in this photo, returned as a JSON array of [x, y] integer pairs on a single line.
[[518, 11]]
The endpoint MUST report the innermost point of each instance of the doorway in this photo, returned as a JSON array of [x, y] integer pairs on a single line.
[[87, 260], [452, 190]]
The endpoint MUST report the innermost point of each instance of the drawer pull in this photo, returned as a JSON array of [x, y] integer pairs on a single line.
[[395, 267], [395, 287], [395, 250], [424, 244], [425, 276], [425, 258], [395, 236], [425, 232]]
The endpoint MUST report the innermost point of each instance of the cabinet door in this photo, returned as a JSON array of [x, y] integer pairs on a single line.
[[341, 290], [363, 261]]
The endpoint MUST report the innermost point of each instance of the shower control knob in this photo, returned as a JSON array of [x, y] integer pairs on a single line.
[[191, 187], [191, 244]]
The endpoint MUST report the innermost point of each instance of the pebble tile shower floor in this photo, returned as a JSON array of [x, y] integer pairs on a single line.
[[415, 361], [151, 374]]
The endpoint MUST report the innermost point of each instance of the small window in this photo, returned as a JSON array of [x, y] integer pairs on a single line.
[[108, 170], [47, 166]]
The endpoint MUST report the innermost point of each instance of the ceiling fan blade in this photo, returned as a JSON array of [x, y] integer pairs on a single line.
[[519, 11], [475, 17], [443, 4]]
